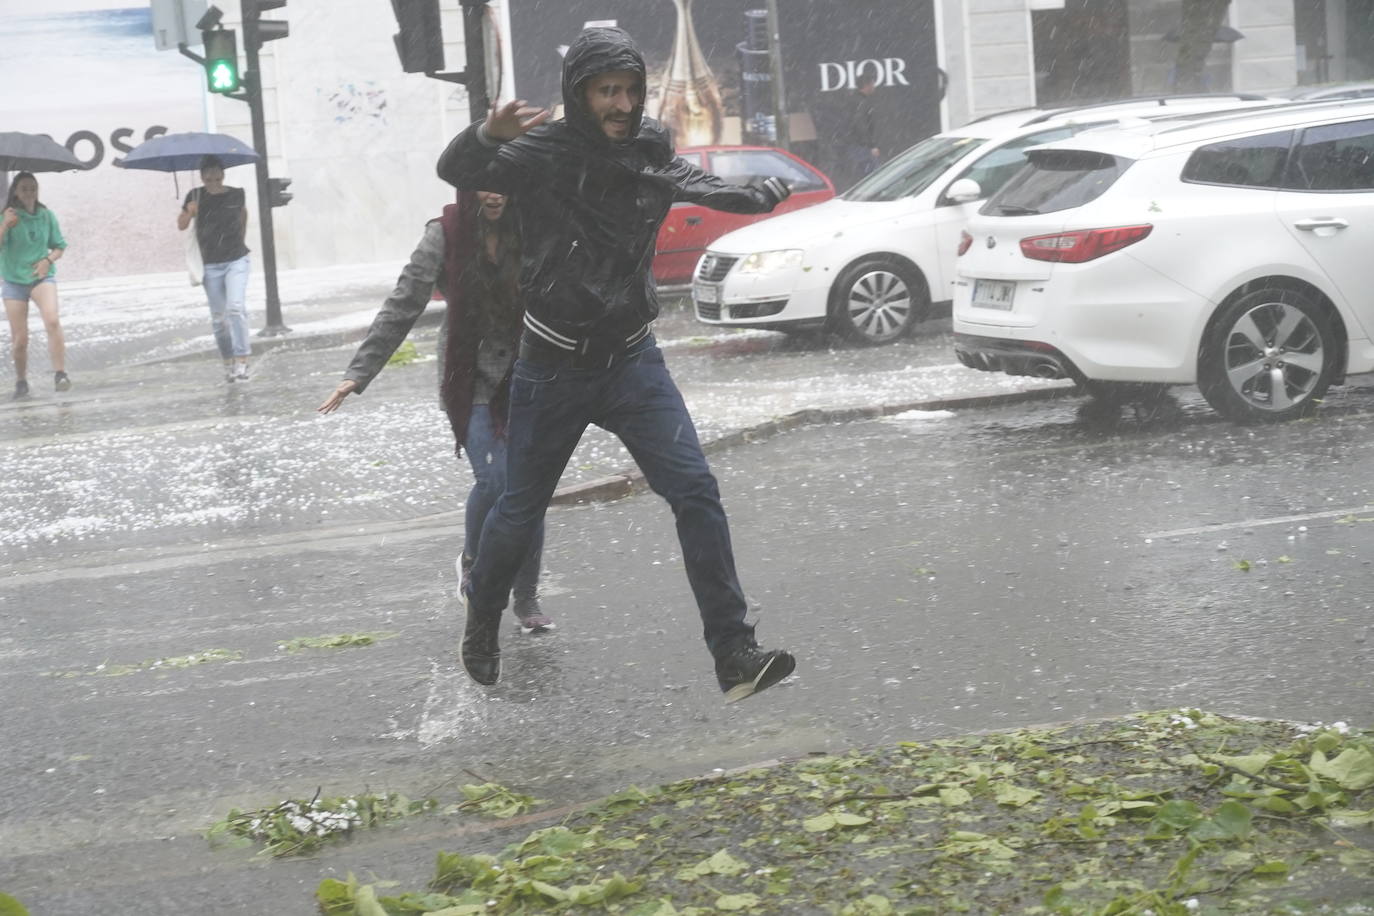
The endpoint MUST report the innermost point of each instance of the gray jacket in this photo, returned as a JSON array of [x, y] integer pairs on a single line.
[[402, 308]]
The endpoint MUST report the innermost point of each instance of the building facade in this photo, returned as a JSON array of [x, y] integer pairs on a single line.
[[359, 138]]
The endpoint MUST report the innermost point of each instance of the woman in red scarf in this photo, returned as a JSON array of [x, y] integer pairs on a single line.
[[472, 253]]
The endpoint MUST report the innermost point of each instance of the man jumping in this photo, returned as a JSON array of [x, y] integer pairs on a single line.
[[594, 186]]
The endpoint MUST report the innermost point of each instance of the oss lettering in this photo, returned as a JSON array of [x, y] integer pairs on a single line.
[[118, 139]]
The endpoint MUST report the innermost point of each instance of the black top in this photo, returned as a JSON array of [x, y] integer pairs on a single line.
[[218, 224]]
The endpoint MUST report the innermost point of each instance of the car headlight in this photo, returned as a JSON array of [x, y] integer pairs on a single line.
[[767, 262]]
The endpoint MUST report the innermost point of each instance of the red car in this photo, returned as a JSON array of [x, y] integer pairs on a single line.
[[689, 228]]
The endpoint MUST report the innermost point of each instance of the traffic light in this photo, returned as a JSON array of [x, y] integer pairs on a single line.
[[277, 195], [420, 43], [264, 30], [221, 60]]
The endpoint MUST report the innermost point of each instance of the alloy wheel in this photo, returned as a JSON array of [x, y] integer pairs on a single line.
[[1274, 357], [879, 305]]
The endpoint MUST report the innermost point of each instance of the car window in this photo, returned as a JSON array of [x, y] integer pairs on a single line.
[[1056, 179], [996, 168], [1333, 157], [913, 171], [1249, 162], [741, 165]]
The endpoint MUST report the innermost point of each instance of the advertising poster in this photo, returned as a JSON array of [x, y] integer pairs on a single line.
[[87, 74], [710, 67]]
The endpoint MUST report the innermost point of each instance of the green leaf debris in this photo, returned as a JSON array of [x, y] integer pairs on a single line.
[[1171, 813], [106, 669], [341, 641]]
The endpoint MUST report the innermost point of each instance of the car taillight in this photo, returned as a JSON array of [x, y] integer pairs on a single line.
[[1081, 245], [965, 240]]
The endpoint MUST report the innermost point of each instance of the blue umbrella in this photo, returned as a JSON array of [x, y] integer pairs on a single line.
[[184, 152]]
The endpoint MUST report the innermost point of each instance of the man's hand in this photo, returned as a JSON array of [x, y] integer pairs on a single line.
[[776, 188], [193, 208], [336, 398], [513, 119]]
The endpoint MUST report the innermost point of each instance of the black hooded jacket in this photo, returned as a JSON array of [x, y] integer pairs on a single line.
[[590, 207]]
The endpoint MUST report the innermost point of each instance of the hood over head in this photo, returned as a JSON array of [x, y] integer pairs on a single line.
[[598, 50]]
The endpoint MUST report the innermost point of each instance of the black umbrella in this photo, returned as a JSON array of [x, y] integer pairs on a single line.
[[1224, 34], [20, 152], [183, 152]]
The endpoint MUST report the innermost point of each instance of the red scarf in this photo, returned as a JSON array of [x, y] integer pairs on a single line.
[[461, 245]]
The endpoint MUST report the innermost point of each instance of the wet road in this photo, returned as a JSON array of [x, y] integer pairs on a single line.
[[935, 573]]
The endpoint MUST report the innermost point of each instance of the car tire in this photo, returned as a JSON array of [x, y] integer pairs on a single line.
[[1267, 336], [876, 301]]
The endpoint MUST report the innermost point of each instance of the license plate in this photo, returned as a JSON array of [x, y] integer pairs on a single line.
[[993, 294], [707, 294]]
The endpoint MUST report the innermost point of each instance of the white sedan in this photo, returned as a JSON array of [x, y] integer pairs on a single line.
[[869, 265]]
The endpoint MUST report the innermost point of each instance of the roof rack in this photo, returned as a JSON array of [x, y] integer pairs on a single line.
[[1161, 100], [1185, 120]]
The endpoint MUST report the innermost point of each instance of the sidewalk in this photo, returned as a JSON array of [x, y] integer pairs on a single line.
[[133, 339]]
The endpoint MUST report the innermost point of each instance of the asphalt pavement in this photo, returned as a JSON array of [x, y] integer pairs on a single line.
[[964, 567]]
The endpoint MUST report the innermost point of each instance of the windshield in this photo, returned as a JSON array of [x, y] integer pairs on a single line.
[[914, 170]]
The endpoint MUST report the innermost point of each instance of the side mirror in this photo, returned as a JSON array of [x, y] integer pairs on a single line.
[[963, 191]]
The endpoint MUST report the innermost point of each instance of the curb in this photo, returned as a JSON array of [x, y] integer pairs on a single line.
[[630, 482], [305, 340]]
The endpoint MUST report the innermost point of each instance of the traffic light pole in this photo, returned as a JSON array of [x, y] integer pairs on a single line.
[[253, 90]]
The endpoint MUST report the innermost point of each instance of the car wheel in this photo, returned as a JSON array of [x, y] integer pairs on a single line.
[[1270, 355], [876, 301]]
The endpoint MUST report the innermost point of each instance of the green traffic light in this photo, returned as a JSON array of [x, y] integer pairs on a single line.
[[223, 77]]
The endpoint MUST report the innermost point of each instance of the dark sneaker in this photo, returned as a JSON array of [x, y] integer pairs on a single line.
[[481, 649], [532, 617], [750, 669], [537, 623], [21, 390], [61, 382]]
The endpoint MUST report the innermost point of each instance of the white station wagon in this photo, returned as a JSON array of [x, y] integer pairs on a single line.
[[869, 264], [1234, 251]]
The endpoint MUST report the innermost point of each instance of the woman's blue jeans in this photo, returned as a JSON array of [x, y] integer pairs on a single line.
[[637, 400], [226, 289], [487, 455]]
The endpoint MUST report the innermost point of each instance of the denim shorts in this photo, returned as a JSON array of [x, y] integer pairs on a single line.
[[21, 291]]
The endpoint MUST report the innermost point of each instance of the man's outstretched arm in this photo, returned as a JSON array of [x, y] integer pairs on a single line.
[[692, 184]]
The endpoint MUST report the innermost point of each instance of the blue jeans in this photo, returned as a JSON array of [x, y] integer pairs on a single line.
[[637, 400], [487, 455], [226, 288]]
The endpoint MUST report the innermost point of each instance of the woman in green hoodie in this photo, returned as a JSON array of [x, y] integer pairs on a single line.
[[30, 245]]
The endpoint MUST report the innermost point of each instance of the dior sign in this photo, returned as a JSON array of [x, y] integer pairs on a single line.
[[890, 71]]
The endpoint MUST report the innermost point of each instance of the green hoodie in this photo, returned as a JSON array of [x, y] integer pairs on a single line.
[[26, 242]]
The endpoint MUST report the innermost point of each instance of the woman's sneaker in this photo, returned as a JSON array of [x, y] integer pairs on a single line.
[[61, 382], [241, 372], [750, 669], [21, 390], [532, 617]]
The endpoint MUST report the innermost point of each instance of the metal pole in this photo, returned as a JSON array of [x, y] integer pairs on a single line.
[[779, 90], [253, 78], [475, 69]]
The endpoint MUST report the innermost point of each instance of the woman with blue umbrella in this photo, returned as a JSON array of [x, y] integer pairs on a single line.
[[221, 221], [218, 216]]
